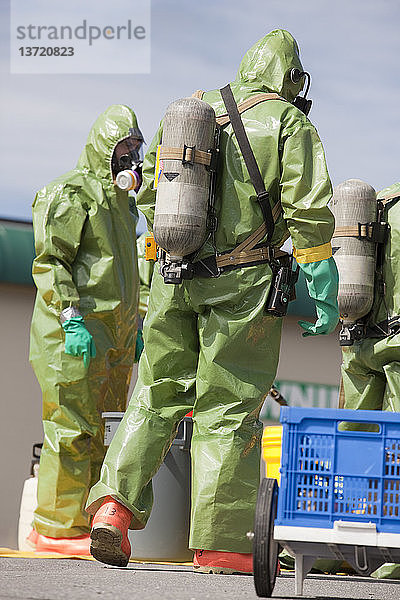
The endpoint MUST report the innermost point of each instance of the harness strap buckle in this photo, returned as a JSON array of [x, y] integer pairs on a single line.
[[188, 161]]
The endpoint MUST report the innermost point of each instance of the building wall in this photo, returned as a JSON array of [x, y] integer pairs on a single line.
[[20, 404], [303, 361], [311, 359]]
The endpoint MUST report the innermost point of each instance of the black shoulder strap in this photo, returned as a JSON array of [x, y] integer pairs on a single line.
[[249, 158]]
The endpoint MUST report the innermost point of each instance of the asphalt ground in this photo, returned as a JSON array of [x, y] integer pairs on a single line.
[[64, 579]]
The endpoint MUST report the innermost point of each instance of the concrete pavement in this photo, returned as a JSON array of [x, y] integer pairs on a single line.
[[39, 579]]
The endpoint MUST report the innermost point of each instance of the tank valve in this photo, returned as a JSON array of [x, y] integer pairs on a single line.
[[351, 333]]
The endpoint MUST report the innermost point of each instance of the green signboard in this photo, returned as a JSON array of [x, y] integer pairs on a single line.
[[307, 395], [16, 252]]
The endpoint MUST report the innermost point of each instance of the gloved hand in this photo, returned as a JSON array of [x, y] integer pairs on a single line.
[[139, 345], [322, 282], [78, 341]]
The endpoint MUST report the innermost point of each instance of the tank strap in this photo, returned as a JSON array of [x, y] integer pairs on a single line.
[[187, 155], [387, 199], [375, 232], [248, 257], [243, 106], [212, 266], [249, 103], [351, 231], [247, 253], [246, 248]]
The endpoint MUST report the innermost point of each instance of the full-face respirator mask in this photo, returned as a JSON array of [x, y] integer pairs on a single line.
[[127, 168]]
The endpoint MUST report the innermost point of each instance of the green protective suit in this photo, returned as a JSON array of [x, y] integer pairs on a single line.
[[371, 367], [208, 343], [85, 258]]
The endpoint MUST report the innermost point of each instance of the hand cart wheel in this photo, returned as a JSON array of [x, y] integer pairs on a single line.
[[265, 549]]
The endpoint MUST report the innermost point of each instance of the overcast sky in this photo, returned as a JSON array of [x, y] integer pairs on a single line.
[[351, 48]]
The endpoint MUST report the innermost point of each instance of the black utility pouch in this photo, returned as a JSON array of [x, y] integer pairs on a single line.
[[282, 290]]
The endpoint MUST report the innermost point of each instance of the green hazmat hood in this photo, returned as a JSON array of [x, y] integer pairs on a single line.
[[109, 128], [266, 66]]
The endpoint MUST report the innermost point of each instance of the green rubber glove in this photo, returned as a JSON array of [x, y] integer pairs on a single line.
[[139, 345], [322, 282], [78, 341]]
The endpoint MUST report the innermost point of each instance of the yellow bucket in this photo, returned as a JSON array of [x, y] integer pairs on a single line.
[[271, 449]]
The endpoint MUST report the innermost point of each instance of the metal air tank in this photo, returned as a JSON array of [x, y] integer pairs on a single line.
[[354, 206], [180, 222]]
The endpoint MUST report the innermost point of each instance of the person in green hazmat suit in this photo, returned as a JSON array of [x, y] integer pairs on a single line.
[[371, 367], [209, 343], [84, 322]]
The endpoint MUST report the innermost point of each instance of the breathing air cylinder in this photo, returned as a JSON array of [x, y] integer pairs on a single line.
[[180, 222], [354, 206]]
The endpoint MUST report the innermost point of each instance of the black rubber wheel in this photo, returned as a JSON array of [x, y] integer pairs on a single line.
[[265, 549]]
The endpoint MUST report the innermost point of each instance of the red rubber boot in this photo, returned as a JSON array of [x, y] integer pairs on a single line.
[[227, 563], [109, 533], [76, 546], [32, 539]]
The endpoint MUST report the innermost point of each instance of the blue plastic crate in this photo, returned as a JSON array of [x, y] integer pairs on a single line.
[[330, 474]]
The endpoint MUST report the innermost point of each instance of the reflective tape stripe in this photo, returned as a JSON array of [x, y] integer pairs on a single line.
[[159, 167], [309, 255]]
